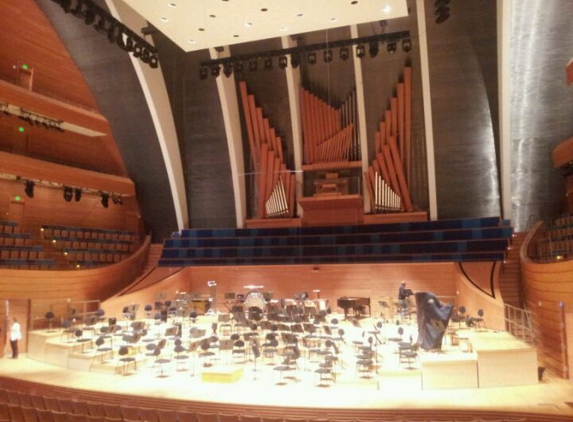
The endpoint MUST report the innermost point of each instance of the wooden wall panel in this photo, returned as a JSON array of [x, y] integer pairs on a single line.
[[549, 296], [377, 281]]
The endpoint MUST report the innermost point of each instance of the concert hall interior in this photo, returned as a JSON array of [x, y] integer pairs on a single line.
[[264, 211]]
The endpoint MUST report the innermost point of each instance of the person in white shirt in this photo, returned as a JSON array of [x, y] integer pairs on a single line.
[[15, 335]]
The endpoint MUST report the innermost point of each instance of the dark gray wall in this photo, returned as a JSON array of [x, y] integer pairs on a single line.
[[110, 75]]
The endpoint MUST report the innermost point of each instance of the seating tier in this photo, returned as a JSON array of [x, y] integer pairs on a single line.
[[447, 240]]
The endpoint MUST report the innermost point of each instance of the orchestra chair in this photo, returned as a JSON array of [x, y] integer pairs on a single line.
[[125, 360], [479, 323], [459, 317], [205, 353], [181, 356], [325, 371], [102, 350], [290, 354], [68, 331], [50, 320]]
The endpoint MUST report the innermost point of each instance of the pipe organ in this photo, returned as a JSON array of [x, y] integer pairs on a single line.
[[387, 177], [274, 182], [330, 134]]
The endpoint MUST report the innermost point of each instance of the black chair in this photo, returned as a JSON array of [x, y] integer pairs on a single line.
[[459, 317], [50, 320], [181, 357], [125, 360], [161, 361], [81, 340], [103, 349], [479, 323]]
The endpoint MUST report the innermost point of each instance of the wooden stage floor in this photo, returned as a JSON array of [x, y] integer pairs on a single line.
[[392, 386]]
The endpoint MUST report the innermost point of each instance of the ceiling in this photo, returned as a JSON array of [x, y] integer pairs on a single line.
[[196, 25]]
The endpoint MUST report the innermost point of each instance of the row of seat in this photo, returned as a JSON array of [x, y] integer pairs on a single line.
[[9, 227], [470, 223], [11, 239], [28, 264], [17, 406], [478, 239], [88, 233]]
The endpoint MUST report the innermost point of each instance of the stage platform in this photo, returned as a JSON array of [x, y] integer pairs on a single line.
[[450, 378]]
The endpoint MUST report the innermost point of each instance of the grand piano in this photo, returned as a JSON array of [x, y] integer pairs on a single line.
[[356, 304]]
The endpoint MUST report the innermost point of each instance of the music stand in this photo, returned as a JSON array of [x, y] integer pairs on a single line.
[[356, 323], [192, 349], [256, 354]]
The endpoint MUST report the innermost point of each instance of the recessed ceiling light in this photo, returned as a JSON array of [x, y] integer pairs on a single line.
[[283, 29], [212, 16], [300, 15], [201, 29], [235, 36], [333, 19], [172, 4], [191, 41], [264, 9], [354, 2], [164, 19], [248, 24], [386, 9]]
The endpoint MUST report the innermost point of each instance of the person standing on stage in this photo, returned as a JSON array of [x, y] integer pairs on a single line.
[[15, 335], [402, 295]]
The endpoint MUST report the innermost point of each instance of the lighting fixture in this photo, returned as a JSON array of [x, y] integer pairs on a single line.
[[78, 194], [391, 47], [311, 58], [203, 73], [295, 60], [68, 193], [360, 51], [283, 62], [215, 70], [373, 49], [327, 56], [104, 199], [344, 53], [441, 10], [29, 189], [268, 65], [406, 45], [228, 69]]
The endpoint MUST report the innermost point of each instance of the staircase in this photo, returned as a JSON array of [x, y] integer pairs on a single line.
[[510, 276], [152, 259]]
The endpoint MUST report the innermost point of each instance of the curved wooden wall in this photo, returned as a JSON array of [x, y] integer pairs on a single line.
[[549, 297], [46, 288]]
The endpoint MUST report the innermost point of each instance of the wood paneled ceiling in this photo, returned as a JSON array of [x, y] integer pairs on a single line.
[[28, 38]]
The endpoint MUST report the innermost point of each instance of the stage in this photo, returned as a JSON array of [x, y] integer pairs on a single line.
[[449, 379]]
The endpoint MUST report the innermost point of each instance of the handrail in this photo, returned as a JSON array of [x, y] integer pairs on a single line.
[[518, 323]]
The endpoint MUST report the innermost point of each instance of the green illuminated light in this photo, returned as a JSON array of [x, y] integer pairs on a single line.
[[17, 198], [21, 129], [24, 66]]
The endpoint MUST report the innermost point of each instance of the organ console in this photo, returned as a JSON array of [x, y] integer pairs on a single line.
[[357, 304]]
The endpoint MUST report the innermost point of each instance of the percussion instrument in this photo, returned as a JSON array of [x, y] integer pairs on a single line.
[[255, 299]]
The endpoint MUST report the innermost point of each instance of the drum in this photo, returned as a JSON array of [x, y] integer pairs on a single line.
[[256, 300]]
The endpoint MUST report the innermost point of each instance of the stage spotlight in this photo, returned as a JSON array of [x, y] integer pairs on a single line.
[[203, 73], [283, 62], [68, 193], [253, 65], [327, 56], [344, 54], [295, 60], [406, 45], [391, 47], [215, 70], [104, 199], [78, 194], [228, 69], [268, 63], [116, 199], [360, 51], [441, 10], [154, 61], [311, 58], [239, 67], [29, 189], [373, 49]]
